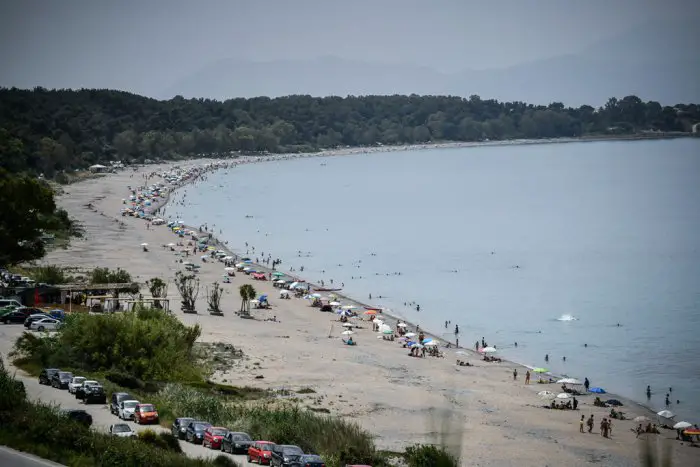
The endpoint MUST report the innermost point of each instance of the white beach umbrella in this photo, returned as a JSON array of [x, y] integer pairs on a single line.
[[316, 295], [682, 425], [349, 307], [144, 244], [564, 395], [402, 325], [255, 302], [569, 381], [171, 244], [641, 419], [347, 325], [489, 350], [247, 269], [384, 327], [281, 281], [416, 345], [546, 394], [284, 293], [410, 334], [239, 265], [229, 269], [431, 344], [377, 321], [334, 303], [347, 333], [666, 414]]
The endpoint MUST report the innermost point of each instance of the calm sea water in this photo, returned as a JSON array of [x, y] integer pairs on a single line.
[[505, 241]]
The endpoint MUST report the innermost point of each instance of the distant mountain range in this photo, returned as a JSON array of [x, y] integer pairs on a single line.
[[654, 61]]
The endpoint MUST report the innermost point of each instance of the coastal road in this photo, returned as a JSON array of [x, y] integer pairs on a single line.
[[11, 458], [101, 416]]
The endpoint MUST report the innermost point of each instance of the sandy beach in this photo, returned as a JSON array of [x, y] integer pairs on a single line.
[[493, 419]]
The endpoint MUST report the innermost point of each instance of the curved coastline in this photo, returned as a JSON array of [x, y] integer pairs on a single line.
[[388, 316]]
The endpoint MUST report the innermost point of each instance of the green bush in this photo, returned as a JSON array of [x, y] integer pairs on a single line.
[[49, 275], [428, 455], [107, 276], [124, 380], [148, 345]]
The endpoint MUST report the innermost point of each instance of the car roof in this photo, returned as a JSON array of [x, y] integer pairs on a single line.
[[265, 442], [91, 381], [218, 428], [131, 400]]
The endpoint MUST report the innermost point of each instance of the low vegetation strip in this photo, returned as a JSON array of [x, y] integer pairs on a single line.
[[42, 430]]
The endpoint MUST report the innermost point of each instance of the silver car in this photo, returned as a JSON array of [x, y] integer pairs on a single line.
[[127, 408]]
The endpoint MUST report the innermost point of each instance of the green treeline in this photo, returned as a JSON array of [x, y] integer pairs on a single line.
[[48, 131]]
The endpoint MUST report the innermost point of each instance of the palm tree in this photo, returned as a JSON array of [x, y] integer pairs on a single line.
[[248, 293]]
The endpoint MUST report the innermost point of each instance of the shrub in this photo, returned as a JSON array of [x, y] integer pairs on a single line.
[[124, 380], [148, 345], [428, 455], [107, 276], [49, 275]]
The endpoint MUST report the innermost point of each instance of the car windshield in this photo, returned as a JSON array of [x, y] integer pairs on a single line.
[[147, 408], [121, 428], [311, 459], [201, 426], [266, 446], [130, 404], [65, 375], [292, 450], [78, 380], [242, 437], [218, 432], [90, 383]]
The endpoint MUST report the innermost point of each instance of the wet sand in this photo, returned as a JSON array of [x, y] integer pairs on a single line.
[[403, 400]]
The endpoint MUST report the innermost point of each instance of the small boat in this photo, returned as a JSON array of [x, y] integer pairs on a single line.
[[325, 289], [372, 308]]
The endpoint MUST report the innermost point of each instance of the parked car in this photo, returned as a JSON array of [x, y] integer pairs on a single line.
[[260, 452], [80, 416], [34, 317], [146, 413], [61, 379], [4, 302], [117, 398], [80, 392], [46, 375], [195, 431], [75, 383], [15, 317], [179, 427], [213, 436], [309, 460], [236, 442], [283, 455], [122, 430], [45, 324], [94, 395], [7, 309], [127, 409]]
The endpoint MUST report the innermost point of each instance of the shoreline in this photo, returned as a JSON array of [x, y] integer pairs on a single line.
[[387, 316], [500, 421]]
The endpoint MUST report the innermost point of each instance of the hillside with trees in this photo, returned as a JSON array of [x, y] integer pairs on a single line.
[[50, 131]]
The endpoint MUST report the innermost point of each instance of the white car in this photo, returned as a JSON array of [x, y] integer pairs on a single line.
[[45, 324], [75, 383], [127, 408], [122, 430]]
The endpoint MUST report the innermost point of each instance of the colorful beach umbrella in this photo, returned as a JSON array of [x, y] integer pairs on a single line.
[[693, 432], [370, 312], [540, 370]]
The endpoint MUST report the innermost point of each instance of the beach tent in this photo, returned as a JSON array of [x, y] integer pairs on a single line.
[[97, 168], [666, 414], [597, 390]]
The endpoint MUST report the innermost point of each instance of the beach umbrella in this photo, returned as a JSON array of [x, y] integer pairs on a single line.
[[410, 334], [402, 325], [284, 293], [255, 302], [597, 390], [144, 244], [239, 265], [569, 381], [666, 414], [347, 333], [347, 325], [349, 307], [247, 269], [426, 340], [489, 350], [387, 331], [316, 295], [229, 269], [681, 425], [334, 303], [540, 370], [417, 346], [430, 344], [693, 432], [641, 419], [370, 312], [564, 395], [171, 244], [546, 394], [281, 281], [278, 274]]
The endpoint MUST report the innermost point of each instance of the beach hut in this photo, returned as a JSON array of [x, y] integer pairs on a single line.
[[97, 168]]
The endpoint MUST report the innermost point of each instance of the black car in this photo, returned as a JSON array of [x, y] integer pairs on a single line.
[[79, 416], [61, 379], [195, 431], [15, 317], [309, 460], [95, 395], [117, 398], [47, 375], [179, 427], [284, 455], [236, 442], [81, 391]]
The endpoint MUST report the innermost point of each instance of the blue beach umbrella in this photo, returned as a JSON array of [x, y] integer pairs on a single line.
[[597, 390], [427, 339]]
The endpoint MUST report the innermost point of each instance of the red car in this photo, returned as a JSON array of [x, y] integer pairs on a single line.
[[260, 452], [213, 437], [146, 413]]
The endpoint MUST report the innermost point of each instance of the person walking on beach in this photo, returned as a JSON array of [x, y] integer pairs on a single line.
[[456, 329], [590, 422], [546, 358], [515, 374], [609, 425], [586, 383], [527, 377], [581, 422]]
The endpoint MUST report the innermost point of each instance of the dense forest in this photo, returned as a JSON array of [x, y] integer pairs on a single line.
[[49, 131]]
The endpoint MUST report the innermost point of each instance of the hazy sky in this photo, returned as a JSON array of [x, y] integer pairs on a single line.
[[138, 45]]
